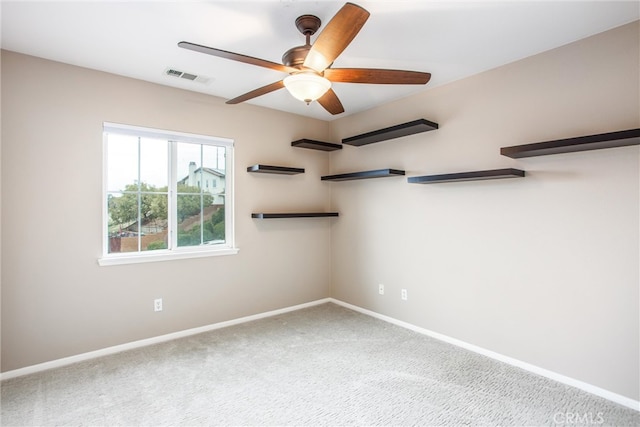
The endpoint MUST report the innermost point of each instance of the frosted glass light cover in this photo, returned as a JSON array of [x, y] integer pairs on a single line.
[[307, 87]]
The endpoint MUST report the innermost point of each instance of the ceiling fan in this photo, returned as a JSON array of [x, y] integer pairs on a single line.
[[309, 66]]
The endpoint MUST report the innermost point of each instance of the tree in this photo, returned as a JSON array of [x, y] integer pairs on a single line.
[[218, 216], [189, 205], [213, 230], [217, 224], [124, 209]]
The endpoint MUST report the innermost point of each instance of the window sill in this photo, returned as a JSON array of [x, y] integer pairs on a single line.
[[157, 256]]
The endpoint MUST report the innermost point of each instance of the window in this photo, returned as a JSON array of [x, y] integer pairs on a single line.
[[154, 205]]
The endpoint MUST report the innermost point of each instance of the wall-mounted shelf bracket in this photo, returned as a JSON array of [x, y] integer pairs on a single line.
[[316, 145], [409, 128], [282, 170], [621, 138], [379, 173], [263, 215], [467, 176]]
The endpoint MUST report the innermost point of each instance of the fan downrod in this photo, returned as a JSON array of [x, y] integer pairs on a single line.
[[307, 25]]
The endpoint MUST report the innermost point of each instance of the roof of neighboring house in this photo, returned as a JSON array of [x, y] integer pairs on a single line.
[[211, 171]]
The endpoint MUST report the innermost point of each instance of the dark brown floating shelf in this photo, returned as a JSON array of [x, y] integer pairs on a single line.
[[467, 176], [316, 145], [379, 173], [294, 215], [282, 170], [410, 128], [570, 145]]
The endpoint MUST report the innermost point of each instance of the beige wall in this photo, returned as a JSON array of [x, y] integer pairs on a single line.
[[56, 300], [543, 269]]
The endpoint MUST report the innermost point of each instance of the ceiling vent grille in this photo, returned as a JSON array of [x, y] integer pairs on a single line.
[[187, 76]]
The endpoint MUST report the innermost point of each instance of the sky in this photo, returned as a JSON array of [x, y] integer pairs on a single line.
[[124, 155]]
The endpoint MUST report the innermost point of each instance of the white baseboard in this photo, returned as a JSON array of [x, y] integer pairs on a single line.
[[150, 341], [589, 388]]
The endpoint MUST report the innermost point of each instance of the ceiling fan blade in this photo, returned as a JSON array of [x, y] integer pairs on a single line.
[[331, 103], [336, 36], [257, 92], [376, 76], [237, 57]]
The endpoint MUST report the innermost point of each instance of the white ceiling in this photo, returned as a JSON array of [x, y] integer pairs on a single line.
[[450, 39]]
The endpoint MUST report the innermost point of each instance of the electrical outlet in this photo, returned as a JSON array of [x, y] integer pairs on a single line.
[[381, 289], [157, 304], [403, 294]]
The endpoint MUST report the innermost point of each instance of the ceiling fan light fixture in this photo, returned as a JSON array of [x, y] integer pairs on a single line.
[[307, 87]]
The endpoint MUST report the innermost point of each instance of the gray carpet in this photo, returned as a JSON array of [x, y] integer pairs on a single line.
[[324, 365]]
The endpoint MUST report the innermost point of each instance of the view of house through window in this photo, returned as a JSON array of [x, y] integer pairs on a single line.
[[165, 190]]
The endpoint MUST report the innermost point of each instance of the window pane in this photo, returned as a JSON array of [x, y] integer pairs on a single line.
[[154, 170], [122, 161], [214, 225], [123, 222], [213, 173], [189, 219], [188, 167], [153, 233]]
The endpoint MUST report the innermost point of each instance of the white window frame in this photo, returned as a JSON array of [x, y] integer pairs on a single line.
[[175, 252]]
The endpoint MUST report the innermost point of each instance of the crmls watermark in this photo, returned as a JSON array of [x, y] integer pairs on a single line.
[[578, 418]]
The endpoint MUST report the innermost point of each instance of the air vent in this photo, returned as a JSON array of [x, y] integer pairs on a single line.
[[187, 76], [174, 73]]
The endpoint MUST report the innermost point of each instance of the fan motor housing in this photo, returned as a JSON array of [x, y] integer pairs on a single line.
[[295, 56]]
